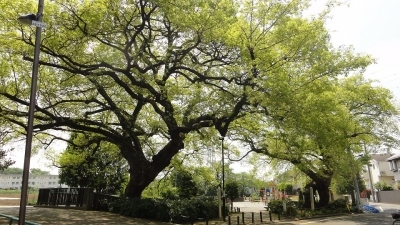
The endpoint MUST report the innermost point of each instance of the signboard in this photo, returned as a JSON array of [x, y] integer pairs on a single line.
[[38, 24]]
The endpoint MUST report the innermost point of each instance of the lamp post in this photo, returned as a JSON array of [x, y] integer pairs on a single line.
[[223, 178], [35, 20]]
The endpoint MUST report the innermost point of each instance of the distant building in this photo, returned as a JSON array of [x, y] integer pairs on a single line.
[[14, 181], [381, 171]]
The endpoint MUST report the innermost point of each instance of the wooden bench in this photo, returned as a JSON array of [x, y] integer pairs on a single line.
[[13, 218]]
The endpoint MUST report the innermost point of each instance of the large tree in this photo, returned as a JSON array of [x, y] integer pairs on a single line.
[[145, 75], [322, 128]]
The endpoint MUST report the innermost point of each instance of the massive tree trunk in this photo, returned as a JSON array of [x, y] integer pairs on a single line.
[[321, 185], [143, 171]]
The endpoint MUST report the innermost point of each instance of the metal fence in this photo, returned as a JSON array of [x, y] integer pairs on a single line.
[[68, 197]]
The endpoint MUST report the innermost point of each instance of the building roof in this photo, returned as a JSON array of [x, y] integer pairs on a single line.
[[381, 157], [393, 157]]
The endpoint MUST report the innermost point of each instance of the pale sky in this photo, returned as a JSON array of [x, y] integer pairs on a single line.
[[371, 26]]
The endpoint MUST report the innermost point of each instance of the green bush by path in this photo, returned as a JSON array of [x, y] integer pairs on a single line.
[[166, 210]]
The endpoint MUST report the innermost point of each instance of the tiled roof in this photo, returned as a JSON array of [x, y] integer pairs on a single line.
[[381, 157]]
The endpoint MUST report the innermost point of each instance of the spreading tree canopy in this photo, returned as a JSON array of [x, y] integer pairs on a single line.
[[145, 75]]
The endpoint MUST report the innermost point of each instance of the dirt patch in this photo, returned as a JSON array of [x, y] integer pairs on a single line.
[[13, 199]]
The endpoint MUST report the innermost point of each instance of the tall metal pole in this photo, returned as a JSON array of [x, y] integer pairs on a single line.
[[369, 175], [223, 179], [29, 134]]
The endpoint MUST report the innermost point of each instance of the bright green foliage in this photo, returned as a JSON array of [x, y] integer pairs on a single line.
[[37, 171], [383, 186], [185, 184], [155, 77], [348, 187], [89, 162]]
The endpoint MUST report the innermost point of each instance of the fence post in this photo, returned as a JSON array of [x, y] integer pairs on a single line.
[[312, 198], [238, 220], [270, 216], [243, 217], [69, 195], [229, 220], [261, 217], [252, 217]]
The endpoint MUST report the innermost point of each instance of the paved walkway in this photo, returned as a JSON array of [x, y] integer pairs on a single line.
[[74, 217], [80, 217]]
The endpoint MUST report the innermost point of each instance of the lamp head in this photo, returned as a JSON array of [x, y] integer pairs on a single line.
[[27, 19]]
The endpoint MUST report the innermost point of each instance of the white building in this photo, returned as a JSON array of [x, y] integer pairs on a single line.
[[394, 164], [380, 171], [14, 181]]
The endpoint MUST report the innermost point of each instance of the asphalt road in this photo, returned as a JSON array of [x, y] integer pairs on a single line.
[[381, 218]]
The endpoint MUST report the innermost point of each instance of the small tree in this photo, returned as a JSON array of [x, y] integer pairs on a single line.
[[232, 191], [90, 162], [4, 161], [187, 188]]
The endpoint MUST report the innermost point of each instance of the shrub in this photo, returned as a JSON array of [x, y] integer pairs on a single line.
[[383, 186], [276, 206], [291, 211], [142, 208], [338, 204], [177, 211], [254, 197]]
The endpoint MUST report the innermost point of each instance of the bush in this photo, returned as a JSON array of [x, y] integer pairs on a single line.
[[142, 208], [167, 210], [291, 210], [276, 206], [187, 210], [338, 204], [254, 197], [383, 186]]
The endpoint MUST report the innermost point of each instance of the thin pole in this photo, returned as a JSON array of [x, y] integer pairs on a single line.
[[369, 175], [29, 134], [223, 180]]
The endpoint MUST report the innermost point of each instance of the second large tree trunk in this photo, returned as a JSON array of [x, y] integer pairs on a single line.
[[322, 186], [143, 171]]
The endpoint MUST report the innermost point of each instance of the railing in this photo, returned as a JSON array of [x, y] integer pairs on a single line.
[[13, 218], [78, 197]]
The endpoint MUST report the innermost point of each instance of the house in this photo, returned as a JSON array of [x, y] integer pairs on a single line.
[[380, 171], [394, 165]]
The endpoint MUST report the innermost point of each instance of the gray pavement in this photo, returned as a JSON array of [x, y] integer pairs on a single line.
[[75, 217]]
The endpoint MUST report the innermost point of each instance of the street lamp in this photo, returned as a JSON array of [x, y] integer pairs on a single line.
[[223, 178], [35, 20]]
